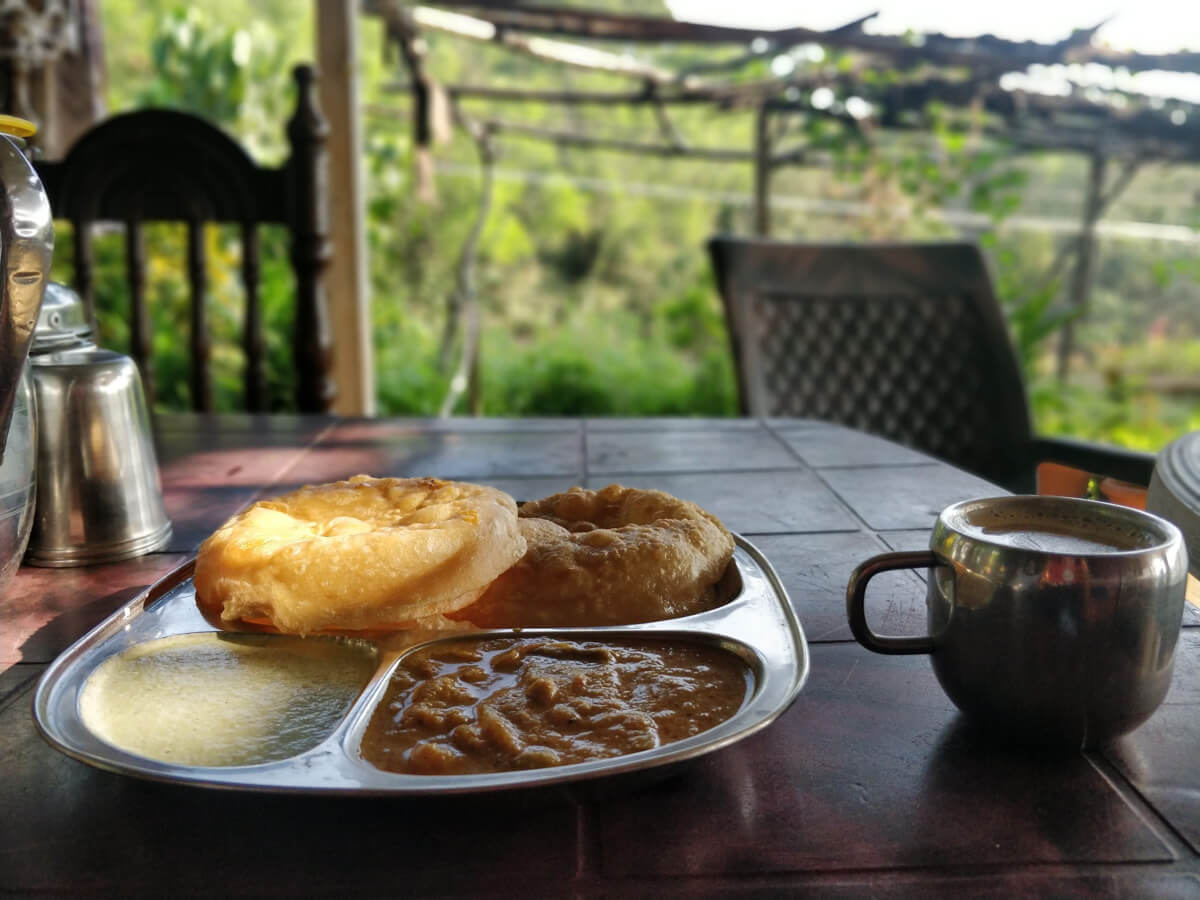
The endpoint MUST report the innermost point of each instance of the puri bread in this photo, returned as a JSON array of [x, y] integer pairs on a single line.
[[368, 553], [609, 557]]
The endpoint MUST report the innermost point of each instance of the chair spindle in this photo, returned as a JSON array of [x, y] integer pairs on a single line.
[[257, 396], [202, 400], [83, 264], [140, 347]]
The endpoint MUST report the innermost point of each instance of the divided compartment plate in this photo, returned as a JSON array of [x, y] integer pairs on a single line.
[[757, 623]]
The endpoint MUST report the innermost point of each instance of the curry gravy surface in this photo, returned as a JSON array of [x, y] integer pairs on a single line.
[[498, 704], [224, 700]]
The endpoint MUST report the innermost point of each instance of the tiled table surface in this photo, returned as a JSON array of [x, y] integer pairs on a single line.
[[869, 784]]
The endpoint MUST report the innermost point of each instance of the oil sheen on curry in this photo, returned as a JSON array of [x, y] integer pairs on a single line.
[[471, 706]]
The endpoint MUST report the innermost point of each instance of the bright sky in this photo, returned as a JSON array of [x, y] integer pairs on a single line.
[[1149, 26]]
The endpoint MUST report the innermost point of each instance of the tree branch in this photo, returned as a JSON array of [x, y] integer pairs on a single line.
[[1070, 248], [667, 127], [462, 311]]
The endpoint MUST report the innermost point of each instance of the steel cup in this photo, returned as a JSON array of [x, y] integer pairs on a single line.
[[1051, 620], [99, 496]]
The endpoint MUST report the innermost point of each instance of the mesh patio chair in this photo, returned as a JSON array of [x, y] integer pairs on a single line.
[[160, 165], [905, 341]]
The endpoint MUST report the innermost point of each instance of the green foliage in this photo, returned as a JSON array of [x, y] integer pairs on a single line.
[[594, 368], [1029, 305], [1119, 412], [594, 290], [233, 76]]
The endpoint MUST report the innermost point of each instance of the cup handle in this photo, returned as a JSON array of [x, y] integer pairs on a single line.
[[856, 596]]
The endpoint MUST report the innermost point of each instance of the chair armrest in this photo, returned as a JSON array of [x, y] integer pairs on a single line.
[[1134, 466]]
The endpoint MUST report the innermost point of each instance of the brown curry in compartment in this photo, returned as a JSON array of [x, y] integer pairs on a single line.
[[498, 704]]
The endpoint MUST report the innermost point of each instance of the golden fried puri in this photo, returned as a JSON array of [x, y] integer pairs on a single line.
[[368, 553], [609, 557]]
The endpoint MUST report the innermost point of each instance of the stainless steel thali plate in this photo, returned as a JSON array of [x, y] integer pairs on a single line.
[[758, 624]]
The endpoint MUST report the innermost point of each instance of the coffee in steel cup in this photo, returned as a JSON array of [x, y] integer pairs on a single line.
[[1051, 620]]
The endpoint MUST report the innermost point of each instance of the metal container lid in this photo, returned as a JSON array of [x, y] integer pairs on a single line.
[[1174, 491], [63, 322]]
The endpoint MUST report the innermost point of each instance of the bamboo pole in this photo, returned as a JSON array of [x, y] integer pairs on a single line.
[[573, 139]]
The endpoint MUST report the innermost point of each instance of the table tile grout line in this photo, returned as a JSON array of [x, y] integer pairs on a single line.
[[583, 449], [587, 857], [271, 488], [304, 451], [21, 686], [817, 473], [774, 432], [776, 470], [964, 875], [1156, 821], [876, 533], [810, 531], [650, 473], [711, 423], [800, 466], [587, 843], [883, 547], [866, 526], [837, 467], [915, 464]]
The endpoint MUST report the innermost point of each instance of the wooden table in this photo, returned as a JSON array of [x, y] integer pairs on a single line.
[[869, 783]]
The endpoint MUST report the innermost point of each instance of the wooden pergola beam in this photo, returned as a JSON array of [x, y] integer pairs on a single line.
[[980, 50], [574, 139], [748, 94], [409, 19], [1024, 118], [1182, 61], [563, 98], [1151, 132], [604, 26]]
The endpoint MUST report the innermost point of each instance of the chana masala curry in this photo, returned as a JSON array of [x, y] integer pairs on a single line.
[[470, 706]]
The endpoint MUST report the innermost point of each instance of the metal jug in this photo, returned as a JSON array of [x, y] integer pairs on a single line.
[[26, 245]]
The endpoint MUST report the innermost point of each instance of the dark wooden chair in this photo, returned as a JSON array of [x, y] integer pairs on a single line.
[[905, 341], [165, 165]]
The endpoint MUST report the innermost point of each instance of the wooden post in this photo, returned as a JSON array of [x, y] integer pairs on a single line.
[[1085, 261], [348, 285], [762, 172]]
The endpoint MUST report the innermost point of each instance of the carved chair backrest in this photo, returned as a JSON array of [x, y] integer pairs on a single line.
[[164, 165], [905, 341]]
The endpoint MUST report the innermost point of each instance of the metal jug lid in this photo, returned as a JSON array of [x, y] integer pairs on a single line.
[[63, 322]]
